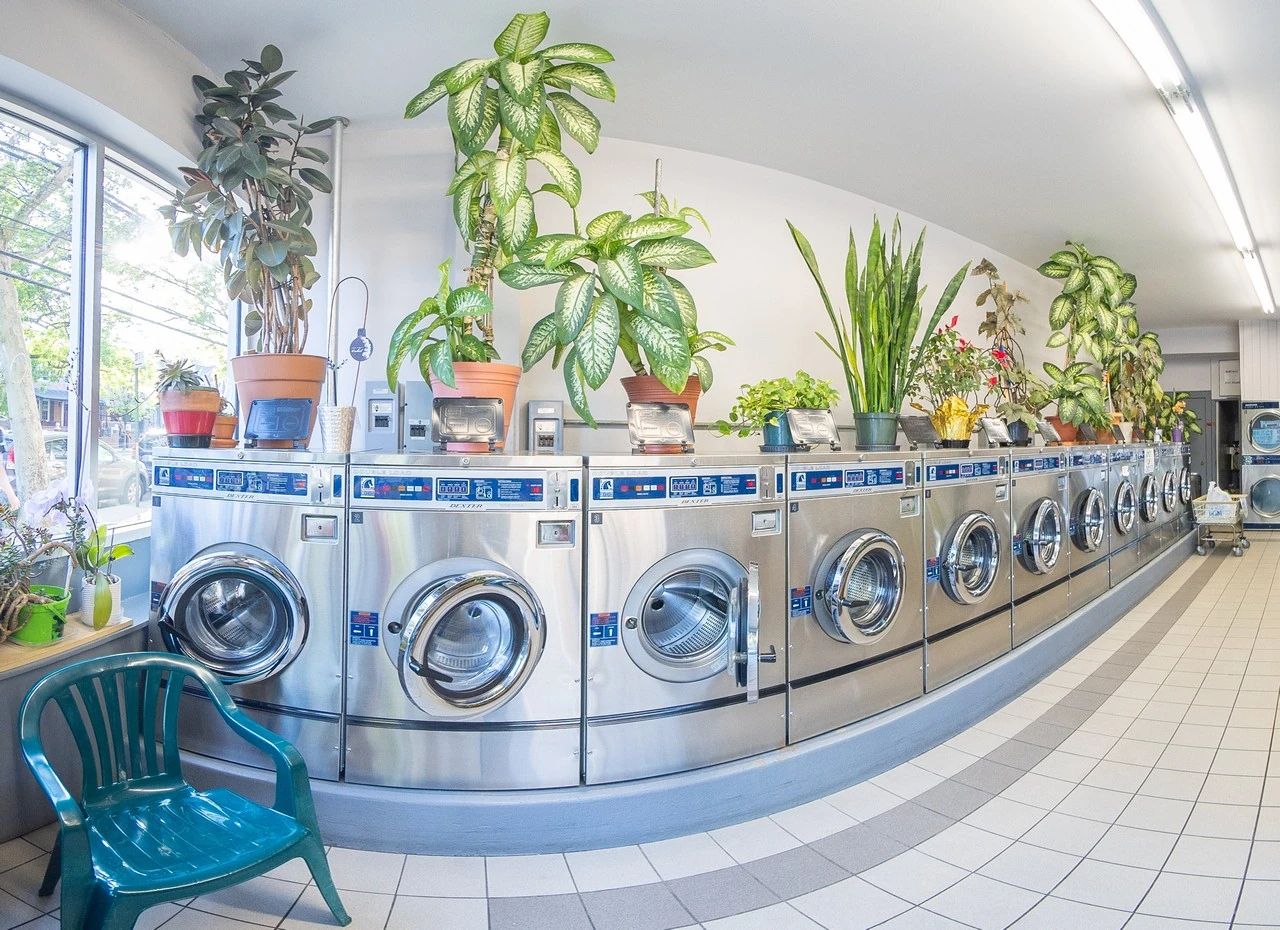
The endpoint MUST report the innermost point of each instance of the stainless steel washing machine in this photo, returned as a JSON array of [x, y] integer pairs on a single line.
[[1124, 484], [247, 562], [686, 610], [1184, 520], [855, 564], [1260, 477], [968, 592], [1168, 469], [1150, 512], [464, 646], [1260, 427], [1089, 522], [1039, 505]]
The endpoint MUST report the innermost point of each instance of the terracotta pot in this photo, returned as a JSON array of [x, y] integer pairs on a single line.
[[1066, 432], [189, 413], [270, 376], [482, 379], [1106, 438], [646, 389]]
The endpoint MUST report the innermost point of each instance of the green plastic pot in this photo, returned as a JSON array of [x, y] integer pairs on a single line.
[[43, 622], [876, 432]]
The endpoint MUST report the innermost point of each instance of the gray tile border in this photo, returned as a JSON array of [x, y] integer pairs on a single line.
[[795, 872], [1018, 754], [910, 823], [953, 799], [1070, 717], [543, 912], [1046, 734], [985, 775], [639, 907], [858, 848], [722, 893]]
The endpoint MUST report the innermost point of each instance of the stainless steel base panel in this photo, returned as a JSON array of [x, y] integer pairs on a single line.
[[398, 754], [645, 745], [1089, 582], [314, 735], [822, 706], [1038, 611], [1126, 561], [951, 655]]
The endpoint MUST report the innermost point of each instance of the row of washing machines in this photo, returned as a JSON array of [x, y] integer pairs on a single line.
[[486, 622]]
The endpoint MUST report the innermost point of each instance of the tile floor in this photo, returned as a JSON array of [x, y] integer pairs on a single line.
[[1132, 788]]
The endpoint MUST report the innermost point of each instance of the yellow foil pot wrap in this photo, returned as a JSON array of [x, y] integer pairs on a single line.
[[953, 419]]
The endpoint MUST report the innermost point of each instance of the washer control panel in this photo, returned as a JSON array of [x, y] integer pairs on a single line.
[[251, 481], [965, 470], [1032, 464], [683, 487], [474, 489], [827, 480]]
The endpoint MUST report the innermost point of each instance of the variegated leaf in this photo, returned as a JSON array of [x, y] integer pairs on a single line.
[[650, 226], [578, 121], [516, 224], [573, 303], [577, 51], [597, 343], [542, 338], [623, 277], [522, 35], [588, 78], [563, 172], [521, 79], [676, 252], [507, 180], [604, 224]]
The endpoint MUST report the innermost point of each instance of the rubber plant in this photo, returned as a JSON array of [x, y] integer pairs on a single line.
[[615, 294], [766, 402], [876, 343], [1002, 325]]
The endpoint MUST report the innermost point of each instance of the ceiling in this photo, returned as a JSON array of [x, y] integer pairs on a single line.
[[1016, 124]]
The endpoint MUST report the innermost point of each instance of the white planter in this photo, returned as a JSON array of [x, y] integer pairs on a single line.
[[84, 602]]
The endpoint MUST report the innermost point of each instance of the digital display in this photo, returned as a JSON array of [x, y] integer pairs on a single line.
[[287, 484], [1088, 458], [684, 486], [453, 487], [674, 487], [952, 471], [1036, 463]]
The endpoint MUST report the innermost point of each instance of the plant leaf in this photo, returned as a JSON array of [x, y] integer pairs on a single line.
[[507, 180], [467, 110], [588, 78], [563, 172], [684, 301], [436, 91], [650, 226], [565, 250], [578, 121], [676, 252], [667, 349], [522, 276], [521, 120], [468, 301], [541, 340], [605, 224], [466, 73], [573, 304], [703, 369], [399, 345], [521, 79], [577, 51], [522, 35], [515, 226], [659, 302], [623, 277], [440, 359], [577, 387], [597, 344]]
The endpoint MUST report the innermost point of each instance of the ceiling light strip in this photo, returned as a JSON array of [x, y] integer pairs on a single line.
[[1135, 23]]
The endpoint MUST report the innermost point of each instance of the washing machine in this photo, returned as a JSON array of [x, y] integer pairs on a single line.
[[968, 591], [1169, 471], [686, 612], [1260, 464], [1184, 521], [1041, 547], [1126, 472], [855, 553], [464, 647], [1089, 523], [247, 564], [1150, 512]]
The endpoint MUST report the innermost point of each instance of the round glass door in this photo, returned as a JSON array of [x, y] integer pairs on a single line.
[[972, 558], [1091, 517], [859, 586], [682, 614], [1169, 492], [470, 642], [1150, 499], [241, 615], [1264, 496], [1264, 431], [1184, 485], [1126, 513], [1042, 536]]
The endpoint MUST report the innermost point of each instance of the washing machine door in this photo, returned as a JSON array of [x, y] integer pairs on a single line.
[[684, 615], [1169, 492], [859, 586], [240, 614], [1184, 485], [971, 560], [1042, 536], [1264, 496], [1091, 521], [1264, 431], [1126, 514], [1150, 499], [469, 642]]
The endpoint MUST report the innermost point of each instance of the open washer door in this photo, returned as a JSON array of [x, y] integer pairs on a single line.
[[1150, 503], [1184, 485], [859, 586], [1264, 431], [1169, 492], [1091, 521], [971, 560], [469, 641], [1126, 504], [1042, 536], [241, 614]]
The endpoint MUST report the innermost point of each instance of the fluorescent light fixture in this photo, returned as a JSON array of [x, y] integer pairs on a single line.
[[1136, 26]]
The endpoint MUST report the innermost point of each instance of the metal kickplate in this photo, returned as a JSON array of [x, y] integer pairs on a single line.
[[659, 425]]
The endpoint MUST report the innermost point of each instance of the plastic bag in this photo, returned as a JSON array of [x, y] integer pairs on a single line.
[[1216, 494]]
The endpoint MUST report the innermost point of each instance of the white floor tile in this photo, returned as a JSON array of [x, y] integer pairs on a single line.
[[914, 876], [1145, 849], [620, 867], [813, 821], [361, 870], [686, 855], [1208, 855], [415, 913], [1065, 833], [368, 911], [1148, 813], [443, 877], [262, 900], [1232, 821], [754, 839], [1259, 904], [1008, 818], [517, 876], [863, 801], [1106, 884], [965, 846], [1058, 913], [775, 917], [1192, 897], [1030, 867], [851, 904], [983, 902]]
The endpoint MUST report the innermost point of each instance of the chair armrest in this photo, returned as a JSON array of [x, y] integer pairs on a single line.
[[70, 816]]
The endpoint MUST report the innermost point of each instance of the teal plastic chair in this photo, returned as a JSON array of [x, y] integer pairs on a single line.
[[140, 835]]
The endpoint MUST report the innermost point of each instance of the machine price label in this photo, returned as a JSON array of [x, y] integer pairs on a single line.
[[954, 471], [487, 490], [604, 629], [1122, 455], [1036, 463], [177, 476], [282, 483], [391, 487], [802, 601], [1261, 405], [362, 628], [932, 568]]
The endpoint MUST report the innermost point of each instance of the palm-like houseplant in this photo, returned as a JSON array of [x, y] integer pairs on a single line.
[[248, 199], [507, 113], [876, 345]]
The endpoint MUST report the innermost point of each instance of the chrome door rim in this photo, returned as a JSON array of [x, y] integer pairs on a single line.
[[953, 579], [1265, 479], [1040, 551], [263, 570], [1169, 492], [1271, 414], [433, 606], [1184, 485], [1091, 529], [712, 647], [1126, 502], [839, 575], [1150, 499]]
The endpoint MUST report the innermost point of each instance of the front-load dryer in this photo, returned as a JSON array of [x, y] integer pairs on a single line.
[[464, 643], [686, 614], [1168, 468], [247, 552], [1039, 505], [968, 593], [1260, 481], [1124, 485], [1089, 521], [855, 587], [1260, 427]]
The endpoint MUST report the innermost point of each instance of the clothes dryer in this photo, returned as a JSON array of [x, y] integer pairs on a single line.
[[1089, 522], [1039, 505]]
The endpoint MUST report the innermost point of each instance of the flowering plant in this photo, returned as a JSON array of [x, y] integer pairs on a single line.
[[952, 366], [1017, 399]]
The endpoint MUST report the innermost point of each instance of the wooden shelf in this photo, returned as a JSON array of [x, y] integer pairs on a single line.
[[76, 637]]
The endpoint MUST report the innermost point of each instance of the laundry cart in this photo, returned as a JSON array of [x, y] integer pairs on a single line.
[[1219, 521]]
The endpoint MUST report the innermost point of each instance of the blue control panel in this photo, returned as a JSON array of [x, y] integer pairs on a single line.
[[674, 487], [485, 489], [1262, 460], [281, 483], [391, 487], [861, 478], [1034, 463], [1261, 405], [1085, 459], [178, 476], [1125, 455], [960, 471]]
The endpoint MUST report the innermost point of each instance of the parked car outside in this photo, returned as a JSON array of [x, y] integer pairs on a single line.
[[121, 477]]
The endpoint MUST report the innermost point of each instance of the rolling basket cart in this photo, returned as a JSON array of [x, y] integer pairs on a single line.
[[1220, 521]]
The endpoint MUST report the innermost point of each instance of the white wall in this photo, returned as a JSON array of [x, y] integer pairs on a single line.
[[397, 227]]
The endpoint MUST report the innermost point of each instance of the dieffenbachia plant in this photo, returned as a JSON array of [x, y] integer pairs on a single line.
[[439, 331], [1093, 308], [615, 294], [524, 95]]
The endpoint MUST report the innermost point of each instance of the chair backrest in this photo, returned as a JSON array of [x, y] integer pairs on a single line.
[[122, 711]]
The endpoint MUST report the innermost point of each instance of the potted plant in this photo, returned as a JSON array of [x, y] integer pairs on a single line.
[[762, 408], [1131, 371], [875, 345], [615, 293], [31, 614], [1078, 393], [188, 404], [1171, 418], [95, 590], [1003, 325], [1094, 306], [955, 379], [224, 426], [248, 199], [524, 95]]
